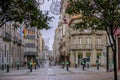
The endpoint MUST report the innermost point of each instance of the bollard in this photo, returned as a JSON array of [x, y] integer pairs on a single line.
[[97, 66], [67, 66], [83, 66], [17, 66], [35, 66], [2, 66], [30, 67], [75, 65], [63, 66], [7, 67]]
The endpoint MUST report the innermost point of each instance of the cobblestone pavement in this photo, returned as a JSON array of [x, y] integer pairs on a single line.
[[57, 73]]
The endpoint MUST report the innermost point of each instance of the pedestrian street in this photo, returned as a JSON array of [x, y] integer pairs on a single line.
[[58, 73]]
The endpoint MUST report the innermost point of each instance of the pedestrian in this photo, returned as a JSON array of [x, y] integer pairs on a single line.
[[83, 64], [63, 64], [28, 64], [75, 65], [97, 64]]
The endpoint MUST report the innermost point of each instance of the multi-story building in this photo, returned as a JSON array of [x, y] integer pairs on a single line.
[[57, 41], [40, 46], [87, 44], [30, 40], [11, 48], [78, 44]]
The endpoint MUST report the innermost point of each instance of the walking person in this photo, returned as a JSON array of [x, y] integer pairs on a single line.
[[83, 64], [97, 64]]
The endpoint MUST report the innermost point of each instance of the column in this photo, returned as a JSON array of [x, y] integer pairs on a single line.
[[72, 58], [84, 54], [76, 57], [93, 62]]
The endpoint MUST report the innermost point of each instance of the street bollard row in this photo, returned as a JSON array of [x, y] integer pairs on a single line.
[[18, 66], [83, 63]]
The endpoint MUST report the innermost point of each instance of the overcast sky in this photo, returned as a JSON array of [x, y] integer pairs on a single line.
[[48, 35]]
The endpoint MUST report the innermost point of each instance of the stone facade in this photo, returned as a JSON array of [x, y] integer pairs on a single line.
[[78, 44], [11, 48]]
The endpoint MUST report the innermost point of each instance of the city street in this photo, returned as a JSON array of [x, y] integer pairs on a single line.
[[57, 73]]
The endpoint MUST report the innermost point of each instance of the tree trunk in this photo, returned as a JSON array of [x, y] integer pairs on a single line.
[[112, 41], [115, 62]]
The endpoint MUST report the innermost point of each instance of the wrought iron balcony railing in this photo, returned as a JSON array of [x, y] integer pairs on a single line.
[[81, 46]]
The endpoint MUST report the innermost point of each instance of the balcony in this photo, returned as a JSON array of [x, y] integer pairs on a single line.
[[30, 36], [29, 45], [99, 46], [7, 36], [30, 53], [78, 32], [99, 32], [81, 46]]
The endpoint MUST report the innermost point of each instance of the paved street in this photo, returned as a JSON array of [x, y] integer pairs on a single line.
[[57, 73]]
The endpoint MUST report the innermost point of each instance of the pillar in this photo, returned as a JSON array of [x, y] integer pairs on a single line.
[[76, 57], [84, 54], [72, 58], [93, 57]]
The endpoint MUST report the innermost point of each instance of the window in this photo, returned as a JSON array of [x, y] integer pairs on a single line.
[[99, 40], [88, 40], [80, 40], [74, 40]]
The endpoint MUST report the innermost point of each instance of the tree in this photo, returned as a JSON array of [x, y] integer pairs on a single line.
[[26, 11], [98, 14]]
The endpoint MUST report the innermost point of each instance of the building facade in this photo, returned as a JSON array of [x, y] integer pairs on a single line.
[[12, 46], [87, 44], [78, 44], [30, 40]]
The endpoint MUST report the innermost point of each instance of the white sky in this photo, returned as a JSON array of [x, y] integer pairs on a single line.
[[49, 34]]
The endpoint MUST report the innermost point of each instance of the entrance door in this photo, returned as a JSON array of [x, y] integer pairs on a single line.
[[118, 53]]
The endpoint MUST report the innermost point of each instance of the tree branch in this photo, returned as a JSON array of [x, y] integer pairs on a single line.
[[3, 23]]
